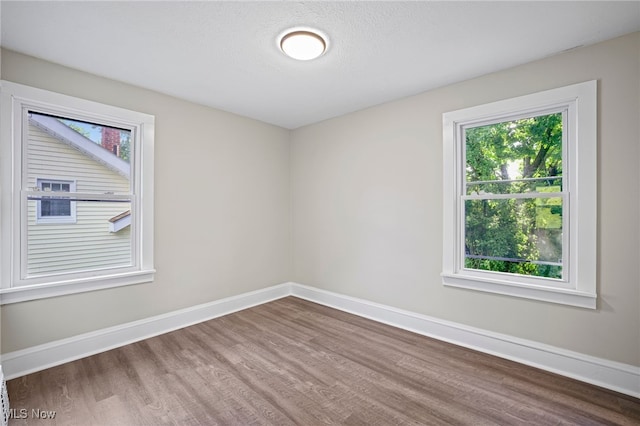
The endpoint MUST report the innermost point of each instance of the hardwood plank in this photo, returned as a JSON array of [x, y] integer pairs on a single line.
[[294, 362]]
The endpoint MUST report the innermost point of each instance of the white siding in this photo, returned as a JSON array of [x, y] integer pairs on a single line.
[[86, 244]]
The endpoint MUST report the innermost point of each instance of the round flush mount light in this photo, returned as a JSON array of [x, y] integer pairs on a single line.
[[303, 44]]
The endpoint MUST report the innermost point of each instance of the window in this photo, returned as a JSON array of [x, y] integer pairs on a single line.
[[55, 210], [76, 195], [520, 196]]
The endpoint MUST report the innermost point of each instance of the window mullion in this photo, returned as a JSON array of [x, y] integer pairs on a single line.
[[76, 196], [517, 195]]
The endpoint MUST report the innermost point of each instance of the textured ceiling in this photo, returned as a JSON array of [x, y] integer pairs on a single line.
[[225, 55]]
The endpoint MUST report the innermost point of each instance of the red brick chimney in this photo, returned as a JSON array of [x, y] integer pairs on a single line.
[[111, 140]]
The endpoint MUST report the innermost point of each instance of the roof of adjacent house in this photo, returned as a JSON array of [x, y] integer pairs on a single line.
[[120, 216]]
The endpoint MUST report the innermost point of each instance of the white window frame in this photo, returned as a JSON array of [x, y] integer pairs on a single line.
[[15, 284], [56, 219], [578, 285]]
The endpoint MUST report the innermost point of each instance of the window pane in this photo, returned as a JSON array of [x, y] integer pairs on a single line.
[[100, 238], [55, 208], [513, 150], [95, 156], [64, 236], [521, 236], [52, 207]]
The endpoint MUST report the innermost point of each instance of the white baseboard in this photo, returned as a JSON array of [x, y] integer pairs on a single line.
[[36, 358], [612, 375], [619, 377]]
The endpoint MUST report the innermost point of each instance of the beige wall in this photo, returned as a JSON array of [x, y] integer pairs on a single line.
[[222, 210], [367, 191]]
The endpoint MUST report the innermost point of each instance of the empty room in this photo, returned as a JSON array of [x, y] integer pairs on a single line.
[[305, 213]]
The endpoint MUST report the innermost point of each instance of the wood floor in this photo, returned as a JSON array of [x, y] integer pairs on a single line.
[[293, 362]]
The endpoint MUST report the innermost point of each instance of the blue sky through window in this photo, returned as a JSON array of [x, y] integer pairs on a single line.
[[91, 131]]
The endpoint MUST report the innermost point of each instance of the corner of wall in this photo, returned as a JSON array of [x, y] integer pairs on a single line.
[[292, 247], [1, 50]]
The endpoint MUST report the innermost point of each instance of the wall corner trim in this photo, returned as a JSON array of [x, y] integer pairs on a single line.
[[608, 374]]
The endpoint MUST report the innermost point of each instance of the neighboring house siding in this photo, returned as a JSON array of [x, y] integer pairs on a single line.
[[86, 244]]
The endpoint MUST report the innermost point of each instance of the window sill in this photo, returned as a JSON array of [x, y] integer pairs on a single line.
[[547, 294], [60, 288]]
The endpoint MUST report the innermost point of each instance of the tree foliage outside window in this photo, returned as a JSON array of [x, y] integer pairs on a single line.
[[513, 205]]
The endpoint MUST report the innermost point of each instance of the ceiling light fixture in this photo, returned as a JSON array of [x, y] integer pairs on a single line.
[[303, 44]]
